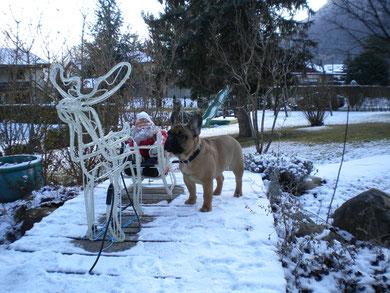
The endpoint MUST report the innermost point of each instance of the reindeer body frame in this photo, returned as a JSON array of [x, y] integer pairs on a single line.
[[76, 110]]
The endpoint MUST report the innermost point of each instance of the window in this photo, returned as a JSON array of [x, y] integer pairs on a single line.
[[17, 74]]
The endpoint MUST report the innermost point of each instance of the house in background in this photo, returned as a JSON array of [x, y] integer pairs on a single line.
[[22, 76], [331, 74]]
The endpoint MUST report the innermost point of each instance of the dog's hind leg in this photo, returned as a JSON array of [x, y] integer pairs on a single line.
[[218, 189]]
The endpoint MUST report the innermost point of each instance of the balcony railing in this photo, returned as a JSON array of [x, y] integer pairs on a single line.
[[14, 86]]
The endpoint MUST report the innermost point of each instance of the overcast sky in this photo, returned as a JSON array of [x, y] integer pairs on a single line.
[[60, 21]]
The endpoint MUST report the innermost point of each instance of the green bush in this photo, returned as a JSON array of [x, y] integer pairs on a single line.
[[57, 138]]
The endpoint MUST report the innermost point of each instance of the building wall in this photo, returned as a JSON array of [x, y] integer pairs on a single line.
[[15, 85]]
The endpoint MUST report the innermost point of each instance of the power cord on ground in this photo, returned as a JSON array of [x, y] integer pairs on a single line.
[[110, 194]]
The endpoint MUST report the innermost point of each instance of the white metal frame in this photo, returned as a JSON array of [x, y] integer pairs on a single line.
[[85, 127], [163, 166]]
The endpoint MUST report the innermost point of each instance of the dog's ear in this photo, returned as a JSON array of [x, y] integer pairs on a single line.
[[195, 125], [174, 118]]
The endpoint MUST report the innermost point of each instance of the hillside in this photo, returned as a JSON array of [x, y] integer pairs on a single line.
[[334, 44]]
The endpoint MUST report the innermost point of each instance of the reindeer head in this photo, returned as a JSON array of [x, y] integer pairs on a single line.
[[98, 94], [75, 101]]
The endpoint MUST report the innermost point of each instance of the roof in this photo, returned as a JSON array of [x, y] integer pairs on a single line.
[[10, 56], [330, 68]]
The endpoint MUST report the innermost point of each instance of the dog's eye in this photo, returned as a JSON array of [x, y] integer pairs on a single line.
[[182, 136]]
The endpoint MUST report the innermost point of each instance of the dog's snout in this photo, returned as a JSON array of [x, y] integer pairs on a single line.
[[166, 146], [172, 145]]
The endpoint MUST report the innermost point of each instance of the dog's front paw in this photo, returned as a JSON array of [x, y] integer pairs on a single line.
[[205, 209], [237, 194], [190, 201]]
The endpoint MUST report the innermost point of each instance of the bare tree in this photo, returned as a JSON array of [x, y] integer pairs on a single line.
[[19, 128], [211, 52], [284, 60], [265, 62], [367, 22], [315, 102]]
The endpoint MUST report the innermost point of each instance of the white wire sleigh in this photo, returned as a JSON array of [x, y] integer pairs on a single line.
[[87, 140]]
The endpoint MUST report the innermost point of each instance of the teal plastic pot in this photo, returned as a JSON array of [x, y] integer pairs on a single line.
[[19, 176]]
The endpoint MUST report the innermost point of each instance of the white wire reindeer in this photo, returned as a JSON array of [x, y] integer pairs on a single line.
[[85, 127]]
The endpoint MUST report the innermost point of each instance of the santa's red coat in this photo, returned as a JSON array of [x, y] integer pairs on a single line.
[[149, 141]]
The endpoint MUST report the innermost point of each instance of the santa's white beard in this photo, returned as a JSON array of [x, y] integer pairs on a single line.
[[142, 134]]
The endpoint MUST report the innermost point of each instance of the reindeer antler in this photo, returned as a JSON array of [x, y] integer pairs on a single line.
[[96, 95]]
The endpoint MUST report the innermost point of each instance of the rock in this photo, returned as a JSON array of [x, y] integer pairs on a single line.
[[306, 225], [308, 228], [301, 217], [366, 216], [311, 182]]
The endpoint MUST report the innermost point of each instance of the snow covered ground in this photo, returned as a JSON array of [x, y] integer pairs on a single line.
[[231, 249]]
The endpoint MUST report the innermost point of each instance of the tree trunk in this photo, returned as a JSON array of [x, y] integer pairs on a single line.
[[242, 116]]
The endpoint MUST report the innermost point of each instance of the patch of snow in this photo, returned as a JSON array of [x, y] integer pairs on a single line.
[[31, 161], [315, 128]]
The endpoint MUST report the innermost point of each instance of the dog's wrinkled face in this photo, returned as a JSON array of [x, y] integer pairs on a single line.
[[180, 137], [176, 140]]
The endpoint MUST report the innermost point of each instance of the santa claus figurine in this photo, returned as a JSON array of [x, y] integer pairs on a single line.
[[144, 133]]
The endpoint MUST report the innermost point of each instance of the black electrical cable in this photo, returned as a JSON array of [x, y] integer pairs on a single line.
[[131, 203], [110, 192], [121, 151]]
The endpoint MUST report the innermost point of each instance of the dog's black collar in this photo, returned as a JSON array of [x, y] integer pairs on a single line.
[[193, 156]]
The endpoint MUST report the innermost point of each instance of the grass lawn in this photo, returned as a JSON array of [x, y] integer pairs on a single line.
[[329, 134]]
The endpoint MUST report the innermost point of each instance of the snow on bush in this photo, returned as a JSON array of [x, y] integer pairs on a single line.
[[326, 260], [292, 171], [316, 257]]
